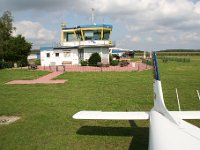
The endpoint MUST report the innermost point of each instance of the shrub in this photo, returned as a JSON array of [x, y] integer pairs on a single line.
[[37, 62], [1, 65], [110, 58], [84, 62], [94, 59], [7, 64], [116, 56], [22, 63], [146, 61], [124, 63], [114, 62]]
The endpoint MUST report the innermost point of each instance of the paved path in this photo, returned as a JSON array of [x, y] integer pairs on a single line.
[[42, 80]]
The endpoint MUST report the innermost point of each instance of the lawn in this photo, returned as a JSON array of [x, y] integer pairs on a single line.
[[46, 110]]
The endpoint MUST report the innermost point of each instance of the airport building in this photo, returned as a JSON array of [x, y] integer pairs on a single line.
[[78, 43]]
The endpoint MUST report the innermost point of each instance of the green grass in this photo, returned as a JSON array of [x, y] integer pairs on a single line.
[[7, 75], [47, 110]]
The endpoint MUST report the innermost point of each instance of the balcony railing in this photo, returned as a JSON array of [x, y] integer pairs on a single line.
[[89, 43]]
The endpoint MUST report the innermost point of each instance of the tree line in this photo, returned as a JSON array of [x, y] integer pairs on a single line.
[[13, 49]]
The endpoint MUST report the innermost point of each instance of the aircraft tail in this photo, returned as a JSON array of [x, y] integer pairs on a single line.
[[159, 103]]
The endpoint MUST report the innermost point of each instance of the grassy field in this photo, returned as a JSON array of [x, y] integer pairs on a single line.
[[46, 110]]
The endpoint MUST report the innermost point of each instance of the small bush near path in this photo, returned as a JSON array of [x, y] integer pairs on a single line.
[[94, 59], [84, 62], [114, 62]]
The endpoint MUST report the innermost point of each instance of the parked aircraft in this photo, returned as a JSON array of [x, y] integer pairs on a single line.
[[168, 130]]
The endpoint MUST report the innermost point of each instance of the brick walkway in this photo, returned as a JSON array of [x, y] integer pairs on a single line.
[[73, 68], [42, 80]]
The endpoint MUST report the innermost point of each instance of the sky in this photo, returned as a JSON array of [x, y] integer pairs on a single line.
[[137, 24]]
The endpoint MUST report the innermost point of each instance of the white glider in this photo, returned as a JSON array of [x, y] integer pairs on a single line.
[[168, 130]]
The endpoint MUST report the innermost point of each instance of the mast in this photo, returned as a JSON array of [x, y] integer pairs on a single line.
[[93, 17]]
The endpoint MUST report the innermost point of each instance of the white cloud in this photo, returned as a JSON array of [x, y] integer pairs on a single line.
[[136, 39], [190, 36], [161, 21], [149, 39], [34, 32]]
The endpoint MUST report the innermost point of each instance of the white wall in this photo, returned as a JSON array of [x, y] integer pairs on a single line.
[[103, 52], [72, 56], [32, 56]]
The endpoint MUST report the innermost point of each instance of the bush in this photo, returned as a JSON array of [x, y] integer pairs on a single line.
[[146, 61], [116, 56], [37, 62], [110, 58], [124, 63], [94, 59], [84, 62], [7, 64], [22, 63], [114, 62], [1, 64]]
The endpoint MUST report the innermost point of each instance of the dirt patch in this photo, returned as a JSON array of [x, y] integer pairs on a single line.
[[8, 119]]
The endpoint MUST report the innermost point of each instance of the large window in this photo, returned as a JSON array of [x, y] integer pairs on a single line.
[[88, 35], [106, 35], [92, 35], [69, 36], [97, 35]]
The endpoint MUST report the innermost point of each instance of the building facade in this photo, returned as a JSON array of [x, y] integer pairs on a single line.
[[78, 43]]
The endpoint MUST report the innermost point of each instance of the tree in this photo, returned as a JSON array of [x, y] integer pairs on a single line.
[[12, 49], [94, 59], [6, 29], [17, 50]]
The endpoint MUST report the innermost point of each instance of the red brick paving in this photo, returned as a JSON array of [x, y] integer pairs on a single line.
[[42, 80]]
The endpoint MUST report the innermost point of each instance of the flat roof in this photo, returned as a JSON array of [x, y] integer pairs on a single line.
[[89, 26]]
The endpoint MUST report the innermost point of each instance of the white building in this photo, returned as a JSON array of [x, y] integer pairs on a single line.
[[78, 43]]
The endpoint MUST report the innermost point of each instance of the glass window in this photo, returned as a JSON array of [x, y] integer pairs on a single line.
[[57, 54], [88, 35], [48, 54], [106, 35], [69, 36], [97, 35]]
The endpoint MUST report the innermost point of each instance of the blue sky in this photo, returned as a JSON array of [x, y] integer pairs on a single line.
[[137, 24]]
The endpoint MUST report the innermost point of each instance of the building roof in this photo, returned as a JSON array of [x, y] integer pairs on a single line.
[[90, 26], [35, 51]]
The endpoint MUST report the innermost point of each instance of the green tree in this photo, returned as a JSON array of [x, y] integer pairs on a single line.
[[17, 50], [94, 59], [6, 29]]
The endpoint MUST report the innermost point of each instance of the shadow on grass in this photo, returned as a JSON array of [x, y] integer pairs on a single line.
[[140, 134], [140, 137]]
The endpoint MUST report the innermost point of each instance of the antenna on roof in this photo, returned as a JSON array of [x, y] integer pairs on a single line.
[[63, 25], [93, 17]]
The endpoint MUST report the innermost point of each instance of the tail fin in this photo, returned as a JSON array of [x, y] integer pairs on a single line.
[[159, 103]]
